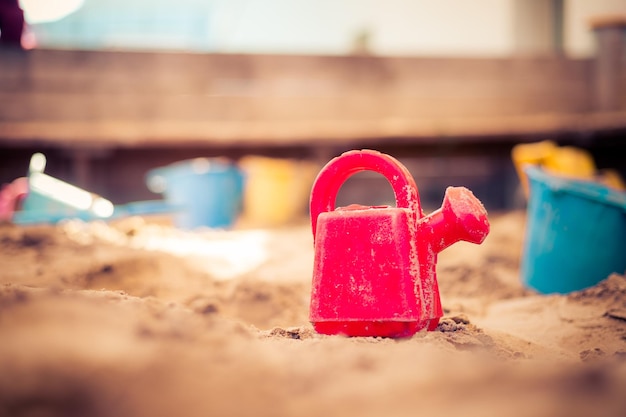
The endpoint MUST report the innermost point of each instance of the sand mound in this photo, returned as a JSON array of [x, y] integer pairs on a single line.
[[136, 319]]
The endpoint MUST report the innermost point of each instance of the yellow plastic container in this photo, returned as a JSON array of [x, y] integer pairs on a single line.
[[530, 154], [276, 191], [571, 162], [566, 161], [612, 178]]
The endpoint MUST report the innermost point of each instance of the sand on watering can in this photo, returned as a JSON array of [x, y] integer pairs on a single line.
[[138, 319]]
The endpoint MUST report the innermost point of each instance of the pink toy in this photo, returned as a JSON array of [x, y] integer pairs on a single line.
[[374, 271], [11, 195]]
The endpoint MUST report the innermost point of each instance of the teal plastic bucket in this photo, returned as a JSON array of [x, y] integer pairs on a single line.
[[575, 233], [207, 191], [50, 200]]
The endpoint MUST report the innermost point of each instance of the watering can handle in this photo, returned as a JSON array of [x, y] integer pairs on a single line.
[[339, 169]]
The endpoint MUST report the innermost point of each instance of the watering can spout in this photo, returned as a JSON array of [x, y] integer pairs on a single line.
[[461, 217]]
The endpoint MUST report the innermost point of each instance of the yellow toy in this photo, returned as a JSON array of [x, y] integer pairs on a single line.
[[567, 161]]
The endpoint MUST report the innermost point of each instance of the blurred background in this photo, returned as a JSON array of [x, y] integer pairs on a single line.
[[496, 28], [109, 90]]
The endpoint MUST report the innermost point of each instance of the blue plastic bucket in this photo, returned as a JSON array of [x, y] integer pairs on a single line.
[[575, 233], [207, 191], [50, 200]]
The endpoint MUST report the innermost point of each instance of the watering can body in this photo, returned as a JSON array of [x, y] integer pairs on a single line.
[[374, 271], [368, 256]]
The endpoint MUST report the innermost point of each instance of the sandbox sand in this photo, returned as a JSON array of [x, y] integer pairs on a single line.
[[136, 319]]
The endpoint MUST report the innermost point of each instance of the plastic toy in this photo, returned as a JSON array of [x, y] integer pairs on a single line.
[[207, 191], [40, 198], [374, 270], [575, 233], [567, 161], [11, 197]]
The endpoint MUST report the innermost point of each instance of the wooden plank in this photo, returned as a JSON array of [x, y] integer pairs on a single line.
[[610, 35], [176, 134], [135, 99]]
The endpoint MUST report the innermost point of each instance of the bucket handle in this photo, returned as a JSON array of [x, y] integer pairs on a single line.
[[338, 170]]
